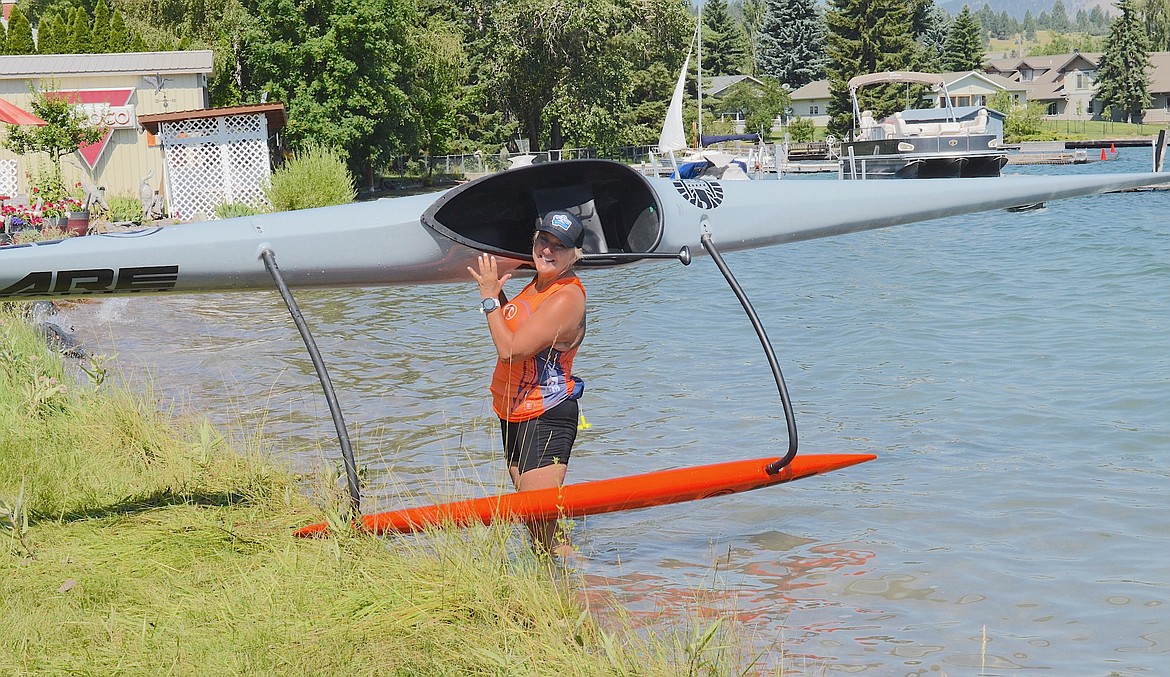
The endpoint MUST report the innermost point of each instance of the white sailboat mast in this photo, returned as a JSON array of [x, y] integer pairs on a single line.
[[699, 63]]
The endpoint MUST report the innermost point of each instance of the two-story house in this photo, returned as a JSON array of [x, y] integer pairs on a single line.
[[1066, 84]]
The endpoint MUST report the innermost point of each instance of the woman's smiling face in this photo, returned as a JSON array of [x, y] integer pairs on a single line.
[[550, 255]]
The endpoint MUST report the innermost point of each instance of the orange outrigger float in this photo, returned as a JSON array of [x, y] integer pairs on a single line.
[[602, 496]]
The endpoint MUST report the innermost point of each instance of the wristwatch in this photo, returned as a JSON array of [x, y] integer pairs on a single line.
[[489, 304]]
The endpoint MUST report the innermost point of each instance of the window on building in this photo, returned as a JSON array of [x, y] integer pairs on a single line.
[[1080, 80], [1052, 108], [814, 110], [1026, 75]]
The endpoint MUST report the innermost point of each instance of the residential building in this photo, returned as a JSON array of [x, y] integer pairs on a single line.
[[113, 89], [163, 138], [1065, 83]]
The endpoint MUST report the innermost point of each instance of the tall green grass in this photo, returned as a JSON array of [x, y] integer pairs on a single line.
[[134, 541]]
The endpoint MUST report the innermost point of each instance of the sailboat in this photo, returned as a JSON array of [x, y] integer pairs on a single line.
[[704, 163]]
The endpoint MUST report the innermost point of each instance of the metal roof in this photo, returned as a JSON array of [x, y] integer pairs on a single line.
[[273, 111], [28, 66]]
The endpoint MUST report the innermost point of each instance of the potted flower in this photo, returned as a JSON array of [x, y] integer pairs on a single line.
[[54, 214], [77, 217]]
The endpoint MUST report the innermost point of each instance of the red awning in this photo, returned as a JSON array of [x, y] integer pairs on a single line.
[[14, 115]]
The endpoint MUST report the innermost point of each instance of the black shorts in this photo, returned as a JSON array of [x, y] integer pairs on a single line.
[[541, 441]]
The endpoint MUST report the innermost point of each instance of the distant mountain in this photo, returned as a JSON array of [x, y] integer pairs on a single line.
[[1017, 8]]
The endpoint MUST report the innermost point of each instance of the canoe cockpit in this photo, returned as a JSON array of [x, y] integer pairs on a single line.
[[498, 213]]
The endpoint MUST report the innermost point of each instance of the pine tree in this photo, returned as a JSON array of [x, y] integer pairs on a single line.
[[964, 46], [61, 37], [1059, 20], [80, 37], [1029, 26], [137, 44], [20, 37], [3, 38], [119, 38], [1122, 83], [932, 39], [101, 28], [791, 42], [725, 49], [45, 34], [866, 36]]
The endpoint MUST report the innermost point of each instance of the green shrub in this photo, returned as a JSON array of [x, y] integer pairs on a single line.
[[801, 130], [231, 210], [313, 177], [124, 208]]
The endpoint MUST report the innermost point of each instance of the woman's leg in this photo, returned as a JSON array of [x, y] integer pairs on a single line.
[[544, 533], [538, 453]]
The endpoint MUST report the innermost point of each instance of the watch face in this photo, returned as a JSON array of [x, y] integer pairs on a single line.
[[489, 305]]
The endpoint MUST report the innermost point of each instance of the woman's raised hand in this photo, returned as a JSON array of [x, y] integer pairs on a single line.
[[488, 277]]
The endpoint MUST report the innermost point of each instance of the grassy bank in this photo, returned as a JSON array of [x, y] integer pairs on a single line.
[[139, 542]]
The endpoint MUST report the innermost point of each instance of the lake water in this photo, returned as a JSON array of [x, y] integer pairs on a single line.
[[1010, 370]]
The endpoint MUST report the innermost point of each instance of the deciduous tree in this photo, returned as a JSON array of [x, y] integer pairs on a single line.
[[760, 104], [65, 130]]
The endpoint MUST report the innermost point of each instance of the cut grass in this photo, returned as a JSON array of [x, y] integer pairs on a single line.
[[140, 542]]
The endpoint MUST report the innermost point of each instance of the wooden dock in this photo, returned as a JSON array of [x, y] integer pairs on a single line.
[[1046, 153]]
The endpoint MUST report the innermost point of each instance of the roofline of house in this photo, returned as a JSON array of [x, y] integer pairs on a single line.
[[26, 66], [273, 111]]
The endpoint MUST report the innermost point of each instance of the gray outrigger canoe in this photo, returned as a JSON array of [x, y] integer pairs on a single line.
[[433, 238]]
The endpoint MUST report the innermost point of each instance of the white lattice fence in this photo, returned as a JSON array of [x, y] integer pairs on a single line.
[[213, 161], [8, 176]]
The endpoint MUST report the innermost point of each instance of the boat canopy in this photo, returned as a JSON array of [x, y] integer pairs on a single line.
[[720, 138], [908, 77]]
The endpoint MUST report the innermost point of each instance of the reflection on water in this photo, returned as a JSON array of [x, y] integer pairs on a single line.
[[1010, 371]]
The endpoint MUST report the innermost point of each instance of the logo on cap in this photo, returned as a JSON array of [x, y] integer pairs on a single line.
[[562, 221]]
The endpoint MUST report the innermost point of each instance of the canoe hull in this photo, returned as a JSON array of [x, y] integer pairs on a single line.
[[433, 238], [602, 496]]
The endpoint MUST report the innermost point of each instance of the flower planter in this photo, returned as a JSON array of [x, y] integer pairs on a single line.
[[78, 223]]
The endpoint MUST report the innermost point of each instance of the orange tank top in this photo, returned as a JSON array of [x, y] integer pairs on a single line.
[[525, 390]]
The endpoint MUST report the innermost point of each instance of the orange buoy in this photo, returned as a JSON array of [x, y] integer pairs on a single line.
[[1112, 149], [1103, 157]]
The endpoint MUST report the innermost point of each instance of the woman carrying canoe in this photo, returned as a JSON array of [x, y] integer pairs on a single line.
[[536, 335]]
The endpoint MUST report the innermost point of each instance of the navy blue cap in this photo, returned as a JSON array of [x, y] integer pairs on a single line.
[[565, 226]]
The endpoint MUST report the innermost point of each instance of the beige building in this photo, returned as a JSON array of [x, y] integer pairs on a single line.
[[1065, 83], [113, 90]]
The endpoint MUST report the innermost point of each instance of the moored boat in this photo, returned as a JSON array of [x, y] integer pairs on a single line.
[[902, 148]]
